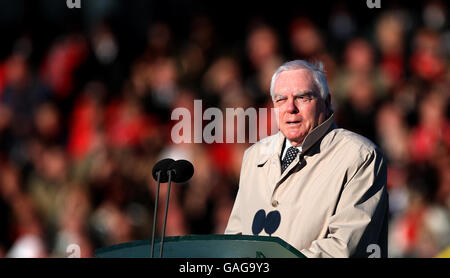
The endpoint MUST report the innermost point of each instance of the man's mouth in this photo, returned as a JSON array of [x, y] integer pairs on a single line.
[[293, 122]]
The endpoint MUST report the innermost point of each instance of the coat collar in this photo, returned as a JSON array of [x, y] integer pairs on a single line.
[[317, 133], [276, 146]]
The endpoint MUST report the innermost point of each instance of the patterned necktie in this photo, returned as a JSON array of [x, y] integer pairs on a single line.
[[288, 158]]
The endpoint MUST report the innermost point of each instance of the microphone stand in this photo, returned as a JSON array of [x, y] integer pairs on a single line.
[[165, 213], [155, 214]]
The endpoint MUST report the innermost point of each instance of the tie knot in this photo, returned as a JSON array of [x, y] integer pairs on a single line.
[[292, 151]]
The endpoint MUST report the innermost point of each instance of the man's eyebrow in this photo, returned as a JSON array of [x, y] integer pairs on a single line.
[[304, 93], [278, 96]]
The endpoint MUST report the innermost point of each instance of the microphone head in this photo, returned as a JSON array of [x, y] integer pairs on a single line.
[[258, 222], [163, 166], [183, 170], [272, 222]]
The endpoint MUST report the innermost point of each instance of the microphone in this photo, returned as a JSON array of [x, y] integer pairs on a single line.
[[161, 168], [259, 221], [180, 171], [183, 170], [272, 222], [159, 173]]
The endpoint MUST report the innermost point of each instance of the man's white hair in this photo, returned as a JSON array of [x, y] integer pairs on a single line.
[[317, 70]]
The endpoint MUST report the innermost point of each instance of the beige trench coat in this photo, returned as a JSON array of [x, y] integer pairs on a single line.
[[332, 198]]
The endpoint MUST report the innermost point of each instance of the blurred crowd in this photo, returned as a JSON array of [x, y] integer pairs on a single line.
[[82, 125]]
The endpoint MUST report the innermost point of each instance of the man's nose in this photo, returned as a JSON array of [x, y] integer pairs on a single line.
[[290, 106]]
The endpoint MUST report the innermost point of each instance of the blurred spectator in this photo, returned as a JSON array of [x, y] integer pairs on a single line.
[[434, 15], [426, 60], [306, 41], [432, 134], [101, 60], [125, 123], [46, 184], [22, 95], [85, 125], [262, 45], [390, 33], [342, 24], [156, 85], [58, 68], [27, 230], [359, 64], [423, 228], [393, 134], [222, 77], [73, 223], [159, 40], [47, 122], [112, 225], [104, 45]]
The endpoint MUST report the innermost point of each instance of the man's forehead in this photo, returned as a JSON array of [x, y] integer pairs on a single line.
[[294, 80]]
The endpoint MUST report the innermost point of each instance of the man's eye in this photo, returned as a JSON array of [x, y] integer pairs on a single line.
[[304, 98]]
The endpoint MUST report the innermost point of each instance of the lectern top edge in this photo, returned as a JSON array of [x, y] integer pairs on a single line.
[[202, 237]]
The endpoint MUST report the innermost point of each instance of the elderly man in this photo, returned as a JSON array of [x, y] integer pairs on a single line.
[[326, 185]]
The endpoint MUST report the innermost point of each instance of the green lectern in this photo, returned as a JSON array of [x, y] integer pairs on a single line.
[[205, 246]]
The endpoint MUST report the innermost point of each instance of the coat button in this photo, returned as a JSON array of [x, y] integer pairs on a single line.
[[274, 203]]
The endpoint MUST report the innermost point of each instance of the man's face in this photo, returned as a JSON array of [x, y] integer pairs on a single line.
[[300, 107]]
